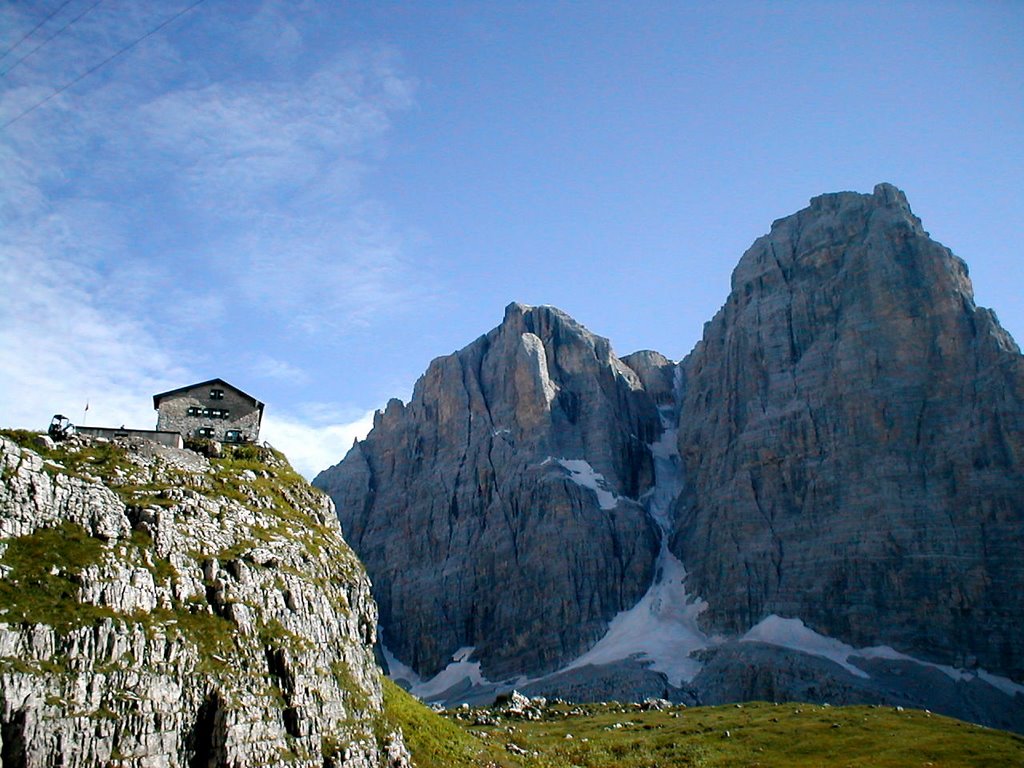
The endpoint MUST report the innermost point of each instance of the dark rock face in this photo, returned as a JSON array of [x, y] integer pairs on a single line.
[[473, 531], [743, 671], [627, 680], [852, 437]]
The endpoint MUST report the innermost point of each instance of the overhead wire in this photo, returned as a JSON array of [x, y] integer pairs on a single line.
[[29, 34], [83, 13], [105, 61]]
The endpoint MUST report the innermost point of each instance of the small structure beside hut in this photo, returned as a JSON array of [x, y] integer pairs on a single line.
[[210, 409], [172, 439]]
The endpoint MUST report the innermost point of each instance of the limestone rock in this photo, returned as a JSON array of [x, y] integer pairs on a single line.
[[160, 609], [852, 437], [656, 372], [497, 509]]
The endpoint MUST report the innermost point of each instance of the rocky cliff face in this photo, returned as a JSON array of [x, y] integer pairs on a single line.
[[497, 509], [852, 437], [161, 609], [837, 469]]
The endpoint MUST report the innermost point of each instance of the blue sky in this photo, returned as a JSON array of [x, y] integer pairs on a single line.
[[313, 200]]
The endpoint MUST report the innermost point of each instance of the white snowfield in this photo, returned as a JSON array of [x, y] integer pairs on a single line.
[[662, 628], [794, 635], [581, 473], [397, 670], [457, 671]]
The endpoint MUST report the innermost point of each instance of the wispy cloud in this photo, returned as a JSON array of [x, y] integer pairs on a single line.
[[325, 276], [312, 448], [283, 144], [61, 351], [267, 367], [201, 201]]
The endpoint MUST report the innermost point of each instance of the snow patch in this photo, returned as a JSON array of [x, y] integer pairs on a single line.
[[459, 669], [1004, 684], [668, 481], [662, 627], [795, 635], [581, 473], [398, 670]]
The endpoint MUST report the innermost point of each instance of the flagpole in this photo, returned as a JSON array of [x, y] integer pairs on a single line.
[[85, 413]]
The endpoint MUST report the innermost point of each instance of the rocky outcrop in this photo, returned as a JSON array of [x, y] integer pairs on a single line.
[[852, 438], [163, 609], [657, 374], [626, 680], [497, 509]]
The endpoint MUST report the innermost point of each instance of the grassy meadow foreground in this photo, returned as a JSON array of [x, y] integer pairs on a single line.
[[755, 735]]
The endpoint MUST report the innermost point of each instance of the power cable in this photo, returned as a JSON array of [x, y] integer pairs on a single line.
[[107, 60], [83, 13], [28, 34]]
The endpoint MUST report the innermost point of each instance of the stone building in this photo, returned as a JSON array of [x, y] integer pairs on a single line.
[[212, 409]]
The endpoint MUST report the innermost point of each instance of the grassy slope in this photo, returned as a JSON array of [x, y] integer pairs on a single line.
[[434, 741], [759, 735], [42, 569]]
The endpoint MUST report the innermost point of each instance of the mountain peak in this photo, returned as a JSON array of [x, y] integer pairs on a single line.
[[884, 195], [843, 449], [523, 456], [890, 194], [851, 386]]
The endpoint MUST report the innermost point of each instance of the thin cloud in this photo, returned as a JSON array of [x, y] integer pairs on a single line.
[[61, 352], [267, 367], [332, 275], [313, 448], [244, 145], [172, 210]]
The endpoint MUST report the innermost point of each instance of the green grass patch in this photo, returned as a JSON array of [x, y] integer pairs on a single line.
[[273, 634], [433, 741], [92, 459], [357, 700], [162, 570], [103, 460], [758, 735], [142, 496], [15, 664], [42, 586], [211, 634], [25, 438]]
